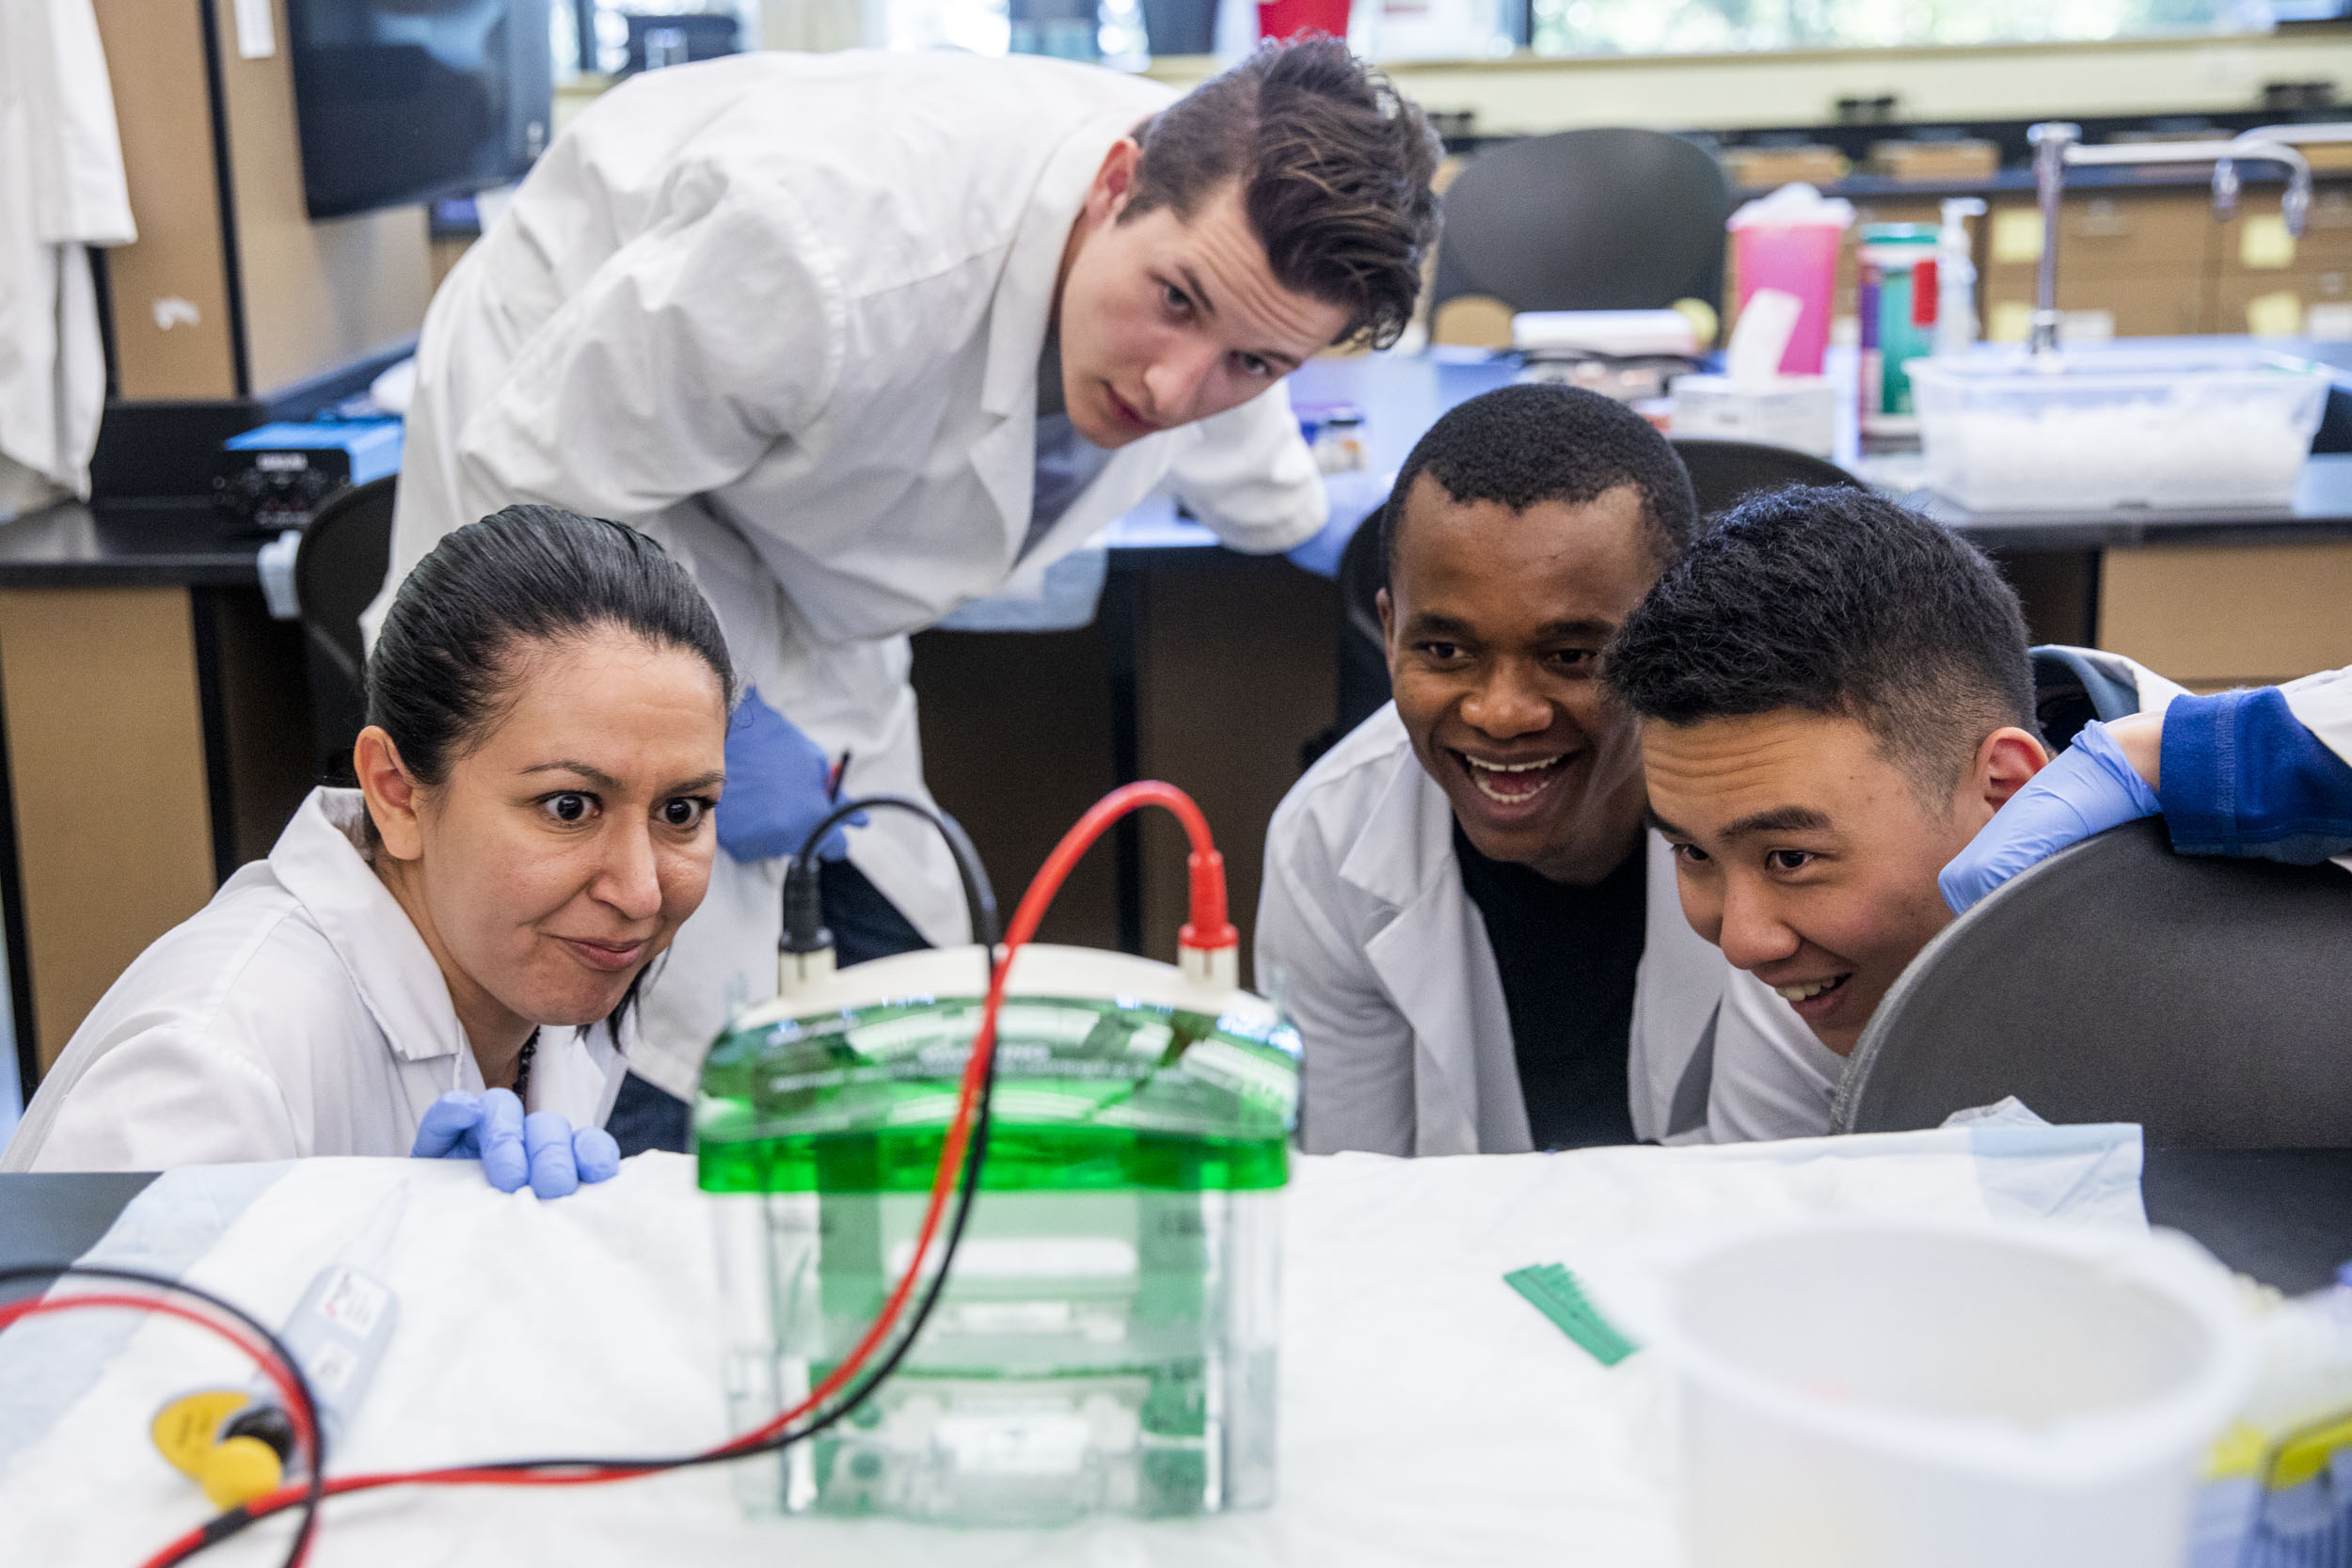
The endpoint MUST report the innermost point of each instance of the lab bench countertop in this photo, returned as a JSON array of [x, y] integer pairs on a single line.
[[2283, 1216], [2095, 179], [181, 545], [185, 543]]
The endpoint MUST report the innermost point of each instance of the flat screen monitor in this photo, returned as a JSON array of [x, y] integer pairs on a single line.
[[405, 101]]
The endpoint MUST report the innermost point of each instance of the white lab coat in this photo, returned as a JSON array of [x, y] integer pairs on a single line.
[[298, 1013], [1366, 936], [61, 189], [2322, 704], [785, 312]]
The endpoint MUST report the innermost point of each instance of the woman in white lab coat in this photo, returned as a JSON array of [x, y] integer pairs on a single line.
[[863, 336], [548, 703]]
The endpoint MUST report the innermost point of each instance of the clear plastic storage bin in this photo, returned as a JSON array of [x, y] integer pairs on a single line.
[[1106, 1341], [2115, 428]]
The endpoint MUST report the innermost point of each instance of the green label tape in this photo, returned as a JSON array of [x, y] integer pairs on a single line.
[[1556, 1294]]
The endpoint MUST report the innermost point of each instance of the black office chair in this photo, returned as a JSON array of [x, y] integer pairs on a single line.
[[2074, 685], [2209, 1000], [339, 569], [1585, 220], [1363, 653], [1724, 473]]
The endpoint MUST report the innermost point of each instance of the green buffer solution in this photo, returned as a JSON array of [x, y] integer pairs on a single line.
[[1106, 1341]]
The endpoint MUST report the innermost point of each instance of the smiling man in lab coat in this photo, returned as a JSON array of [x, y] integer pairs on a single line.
[[860, 337], [1461, 909], [1836, 695]]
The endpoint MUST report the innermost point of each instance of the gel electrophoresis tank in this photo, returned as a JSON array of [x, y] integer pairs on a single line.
[[1106, 1339]]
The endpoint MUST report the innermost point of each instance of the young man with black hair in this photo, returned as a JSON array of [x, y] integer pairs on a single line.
[[1461, 907], [1835, 696]]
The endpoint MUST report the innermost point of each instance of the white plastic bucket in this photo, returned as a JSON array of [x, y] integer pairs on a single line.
[[1924, 1396]]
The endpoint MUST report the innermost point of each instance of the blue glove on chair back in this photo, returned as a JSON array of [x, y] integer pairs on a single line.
[[541, 1148], [2090, 787], [778, 787]]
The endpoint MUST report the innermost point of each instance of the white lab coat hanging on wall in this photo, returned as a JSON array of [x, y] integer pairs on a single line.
[[61, 189], [785, 312]]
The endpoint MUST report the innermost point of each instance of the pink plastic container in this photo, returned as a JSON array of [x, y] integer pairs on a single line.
[[1288, 19], [1799, 259]]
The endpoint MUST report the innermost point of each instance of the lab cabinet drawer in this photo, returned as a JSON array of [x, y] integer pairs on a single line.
[[2153, 302], [2109, 232], [2136, 230], [2279, 304], [2259, 246], [2213, 615]]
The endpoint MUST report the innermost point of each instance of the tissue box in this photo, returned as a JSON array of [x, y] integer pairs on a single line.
[[1799, 411]]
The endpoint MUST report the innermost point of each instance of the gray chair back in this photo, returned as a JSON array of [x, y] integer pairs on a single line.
[[1724, 473], [1598, 220], [2208, 1000]]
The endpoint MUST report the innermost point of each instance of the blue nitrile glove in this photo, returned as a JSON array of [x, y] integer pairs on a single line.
[[542, 1149], [2090, 787], [779, 786]]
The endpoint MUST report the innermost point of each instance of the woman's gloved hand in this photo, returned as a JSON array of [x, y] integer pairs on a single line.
[[779, 786], [541, 1148], [2090, 787]]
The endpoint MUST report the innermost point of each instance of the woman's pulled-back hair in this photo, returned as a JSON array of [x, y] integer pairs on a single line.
[[444, 665]]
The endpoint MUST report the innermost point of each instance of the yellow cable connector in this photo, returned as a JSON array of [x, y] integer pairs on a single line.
[[240, 1471], [232, 1470]]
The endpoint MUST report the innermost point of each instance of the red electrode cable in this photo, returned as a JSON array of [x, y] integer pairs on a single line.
[[1207, 932], [306, 1436]]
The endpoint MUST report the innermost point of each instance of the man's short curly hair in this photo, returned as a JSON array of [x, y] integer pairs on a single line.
[[1539, 442], [1334, 164]]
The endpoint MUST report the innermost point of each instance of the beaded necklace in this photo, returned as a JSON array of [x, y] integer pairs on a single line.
[[522, 1069]]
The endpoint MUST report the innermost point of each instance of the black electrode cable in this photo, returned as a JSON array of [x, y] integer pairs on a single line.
[[235, 1519], [804, 917]]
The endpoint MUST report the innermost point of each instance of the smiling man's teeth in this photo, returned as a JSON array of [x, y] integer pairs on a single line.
[[1478, 771], [1808, 989]]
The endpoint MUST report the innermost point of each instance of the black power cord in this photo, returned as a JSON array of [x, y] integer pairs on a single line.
[[235, 1519], [801, 875], [803, 912]]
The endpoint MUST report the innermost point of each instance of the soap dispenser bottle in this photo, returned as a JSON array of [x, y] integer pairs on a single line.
[[1956, 279]]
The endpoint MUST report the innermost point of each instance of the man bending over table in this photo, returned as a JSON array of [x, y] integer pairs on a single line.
[[1461, 909], [1835, 696]]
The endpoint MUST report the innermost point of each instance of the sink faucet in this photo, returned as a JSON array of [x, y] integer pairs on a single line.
[[2289, 136], [2057, 146]]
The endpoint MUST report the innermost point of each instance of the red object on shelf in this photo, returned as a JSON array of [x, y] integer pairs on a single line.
[[1283, 20]]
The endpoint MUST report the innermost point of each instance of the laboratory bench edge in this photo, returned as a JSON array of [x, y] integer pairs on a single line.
[[2282, 1216], [155, 727]]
